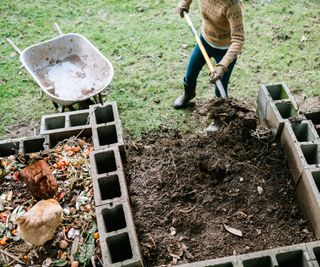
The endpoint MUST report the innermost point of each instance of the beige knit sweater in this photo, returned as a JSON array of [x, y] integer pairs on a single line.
[[222, 25]]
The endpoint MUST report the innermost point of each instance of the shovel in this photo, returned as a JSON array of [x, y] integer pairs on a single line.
[[205, 54]]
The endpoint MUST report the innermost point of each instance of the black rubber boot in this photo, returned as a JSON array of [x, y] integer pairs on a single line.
[[182, 101]]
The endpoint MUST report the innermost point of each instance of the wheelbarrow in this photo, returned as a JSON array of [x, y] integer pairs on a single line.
[[68, 68]]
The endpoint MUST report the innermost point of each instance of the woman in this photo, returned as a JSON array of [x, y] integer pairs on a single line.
[[222, 35]]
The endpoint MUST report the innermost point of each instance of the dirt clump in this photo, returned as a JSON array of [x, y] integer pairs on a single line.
[[187, 189]]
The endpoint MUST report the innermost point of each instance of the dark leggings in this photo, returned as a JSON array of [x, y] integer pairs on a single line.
[[197, 61]]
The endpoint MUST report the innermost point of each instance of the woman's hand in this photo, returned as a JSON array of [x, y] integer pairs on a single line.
[[217, 73], [180, 9]]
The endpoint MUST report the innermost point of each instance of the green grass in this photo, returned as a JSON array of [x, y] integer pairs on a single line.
[[149, 45]]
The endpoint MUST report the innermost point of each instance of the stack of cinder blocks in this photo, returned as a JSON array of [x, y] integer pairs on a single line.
[[118, 239], [299, 137]]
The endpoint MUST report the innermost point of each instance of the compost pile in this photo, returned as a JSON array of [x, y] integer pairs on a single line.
[[197, 196], [76, 239]]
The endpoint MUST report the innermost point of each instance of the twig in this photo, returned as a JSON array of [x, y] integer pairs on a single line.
[[188, 210], [99, 260], [153, 243], [11, 256]]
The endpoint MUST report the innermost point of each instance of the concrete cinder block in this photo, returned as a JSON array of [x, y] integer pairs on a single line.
[[106, 127], [62, 126], [275, 105], [118, 239], [308, 196], [292, 136], [273, 93], [59, 121], [295, 255]]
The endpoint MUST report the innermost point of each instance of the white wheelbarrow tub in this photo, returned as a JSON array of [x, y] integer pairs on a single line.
[[68, 68]]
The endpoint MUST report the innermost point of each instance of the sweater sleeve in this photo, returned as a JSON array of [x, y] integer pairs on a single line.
[[185, 4], [234, 16]]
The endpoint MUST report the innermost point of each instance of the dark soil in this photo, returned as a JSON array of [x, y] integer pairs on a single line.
[[185, 187]]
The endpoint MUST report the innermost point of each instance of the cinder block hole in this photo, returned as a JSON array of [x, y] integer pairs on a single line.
[[114, 219], [314, 117], [286, 110], [119, 248], [228, 264], [104, 114], [105, 162], [107, 135], [316, 178], [8, 149], [79, 119], [303, 132], [109, 187], [258, 262], [316, 251], [55, 138], [33, 146], [55, 123], [311, 153], [277, 92], [291, 259]]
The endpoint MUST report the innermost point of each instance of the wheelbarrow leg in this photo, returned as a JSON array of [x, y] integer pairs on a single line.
[[59, 108], [55, 105], [98, 99]]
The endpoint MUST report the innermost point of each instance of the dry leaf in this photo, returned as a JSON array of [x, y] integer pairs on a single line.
[[232, 230]]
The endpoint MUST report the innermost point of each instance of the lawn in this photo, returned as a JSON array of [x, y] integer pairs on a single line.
[[149, 45]]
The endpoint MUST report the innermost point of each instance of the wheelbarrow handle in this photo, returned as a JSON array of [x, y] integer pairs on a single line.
[[57, 27], [205, 54], [14, 46]]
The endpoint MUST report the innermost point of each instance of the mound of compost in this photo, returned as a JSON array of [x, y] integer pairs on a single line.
[[197, 196]]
